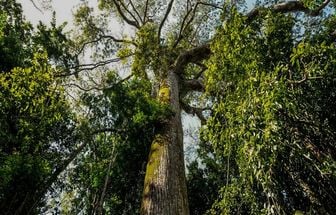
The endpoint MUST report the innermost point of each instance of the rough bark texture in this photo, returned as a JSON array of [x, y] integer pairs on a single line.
[[165, 191]]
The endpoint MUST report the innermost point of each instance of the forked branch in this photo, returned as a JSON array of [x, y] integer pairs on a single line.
[[194, 55], [186, 23], [118, 6], [129, 12], [193, 85], [136, 11]]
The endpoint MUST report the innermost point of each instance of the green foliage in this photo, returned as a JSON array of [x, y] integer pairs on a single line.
[[146, 56], [17, 35], [35, 128], [2, 24], [19, 41], [272, 125], [204, 183], [56, 43]]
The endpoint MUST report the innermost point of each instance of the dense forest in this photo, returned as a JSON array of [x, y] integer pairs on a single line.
[[93, 119]]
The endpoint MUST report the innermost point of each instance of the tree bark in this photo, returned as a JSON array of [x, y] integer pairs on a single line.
[[165, 190]]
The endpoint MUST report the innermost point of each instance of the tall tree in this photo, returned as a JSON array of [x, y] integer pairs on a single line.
[[169, 51], [163, 58]]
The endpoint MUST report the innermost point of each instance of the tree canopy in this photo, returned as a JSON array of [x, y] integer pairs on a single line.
[[91, 122]]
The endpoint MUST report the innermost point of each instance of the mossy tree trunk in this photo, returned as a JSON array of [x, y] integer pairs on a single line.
[[165, 190]]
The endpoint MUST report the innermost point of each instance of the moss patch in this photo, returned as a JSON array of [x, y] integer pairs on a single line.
[[153, 162], [164, 93]]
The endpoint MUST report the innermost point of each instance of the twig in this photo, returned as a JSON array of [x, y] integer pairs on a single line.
[[36, 7], [305, 78], [211, 5], [102, 37], [90, 66]]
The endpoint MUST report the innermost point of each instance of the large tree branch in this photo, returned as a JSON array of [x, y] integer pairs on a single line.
[[185, 25], [136, 11], [202, 52], [318, 10], [192, 85], [170, 5], [123, 15], [129, 12], [145, 12], [290, 6], [194, 55]]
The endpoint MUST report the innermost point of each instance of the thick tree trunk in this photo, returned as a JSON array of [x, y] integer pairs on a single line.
[[165, 190]]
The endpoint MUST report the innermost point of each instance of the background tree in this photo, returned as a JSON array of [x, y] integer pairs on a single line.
[[37, 128], [159, 57], [272, 120]]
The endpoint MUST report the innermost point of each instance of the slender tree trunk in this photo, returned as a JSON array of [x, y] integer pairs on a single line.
[[165, 190]]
